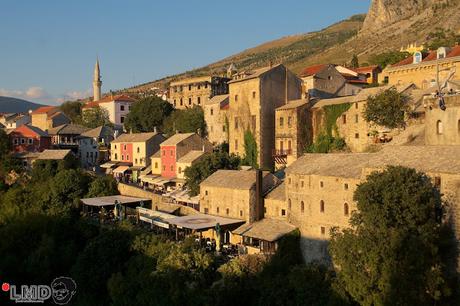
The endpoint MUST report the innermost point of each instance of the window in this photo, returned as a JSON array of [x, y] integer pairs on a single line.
[[302, 207], [23, 140], [289, 121], [281, 121], [189, 101], [386, 80], [356, 118], [164, 168], [116, 156], [217, 209], [156, 165], [236, 144], [15, 141], [223, 128], [439, 127], [199, 100], [30, 141], [236, 123], [180, 170], [171, 153], [172, 168], [323, 230], [344, 119], [206, 192], [122, 119], [127, 157], [199, 87], [321, 184], [289, 181], [302, 184], [135, 160], [205, 85], [321, 206], [122, 107], [281, 145], [283, 212], [164, 152], [189, 87], [138, 150], [437, 182], [124, 147], [329, 78], [356, 105], [236, 98], [241, 213], [115, 146], [212, 111], [253, 94], [356, 135], [206, 211], [345, 186], [181, 102], [345, 209], [289, 204], [174, 102], [122, 157], [227, 211]]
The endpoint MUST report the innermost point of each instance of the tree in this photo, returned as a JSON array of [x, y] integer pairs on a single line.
[[147, 114], [388, 58], [72, 109], [390, 254], [209, 164], [189, 120], [103, 186], [94, 117], [387, 108], [5, 144], [250, 149], [354, 61]]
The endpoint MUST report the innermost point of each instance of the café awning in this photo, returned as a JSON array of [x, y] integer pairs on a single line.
[[121, 169], [108, 165], [202, 222], [110, 200]]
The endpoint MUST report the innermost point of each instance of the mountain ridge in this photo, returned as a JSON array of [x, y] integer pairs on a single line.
[[16, 105]]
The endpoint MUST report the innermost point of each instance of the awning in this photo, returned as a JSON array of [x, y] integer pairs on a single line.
[[154, 217], [147, 170], [136, 168], [110, 200], [161, 181], [121, 169], [203, 222], [265, 229], [108, 165], [148, 178]]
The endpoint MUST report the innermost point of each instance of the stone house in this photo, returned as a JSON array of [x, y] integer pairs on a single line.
[[442, 127], [48, 117], [93, 146], [13, 121], [254, 96], [371, 72], [216, 117], [320, 187], [292, 132], [66, 136], [27, 138], [196, 91], [117, 107]]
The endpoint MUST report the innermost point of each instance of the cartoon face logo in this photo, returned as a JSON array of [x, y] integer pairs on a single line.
[[64, 288]]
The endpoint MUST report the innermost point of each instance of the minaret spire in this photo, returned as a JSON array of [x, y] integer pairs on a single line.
[[97, 83]]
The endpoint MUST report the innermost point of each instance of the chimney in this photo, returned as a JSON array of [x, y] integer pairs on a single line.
[[259, 211], [155, 130]]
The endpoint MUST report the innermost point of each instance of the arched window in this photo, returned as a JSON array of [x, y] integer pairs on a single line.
[[346, 209], [180, 170], [439, 128], [289, 204], [321, 206], [302, 207]]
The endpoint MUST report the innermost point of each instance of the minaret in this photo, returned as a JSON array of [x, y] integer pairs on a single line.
[[97, 82]]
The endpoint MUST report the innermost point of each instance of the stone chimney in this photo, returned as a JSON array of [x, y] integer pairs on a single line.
[[259, 211]]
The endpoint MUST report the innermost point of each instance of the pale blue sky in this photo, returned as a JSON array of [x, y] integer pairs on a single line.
[[48, 47]]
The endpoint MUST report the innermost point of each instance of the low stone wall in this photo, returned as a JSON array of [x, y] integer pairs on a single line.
[[157, 200]]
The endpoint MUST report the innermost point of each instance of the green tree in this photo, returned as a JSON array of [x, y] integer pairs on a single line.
[[250, 149], [209, 164], [390, 254], [95, 117], [354, 61], [186, 121], [5, 144], [387, 108], [147, 114], [103, 186], [72, 109], [388, 58]]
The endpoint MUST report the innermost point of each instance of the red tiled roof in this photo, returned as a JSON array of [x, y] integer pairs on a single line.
[[454, 52], [312, 70], [406, 61], [91, 104], [431, 56], [125, 98], [43, 110]]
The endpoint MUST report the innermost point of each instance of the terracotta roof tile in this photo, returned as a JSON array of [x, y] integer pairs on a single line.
[[44, 110], [454, 52], [312, 70]]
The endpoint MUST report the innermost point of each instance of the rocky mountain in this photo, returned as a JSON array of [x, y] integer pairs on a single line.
[[14, 105], [388, 26]]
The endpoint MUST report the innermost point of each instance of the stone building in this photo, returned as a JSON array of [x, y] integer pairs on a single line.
[[358, 134], [371, 72], [117, 108], [422, 69], [216, 117], [254, 96], [442, 127], [291, 132], [48, 117], [15, 120], [196, 91], [93, 146], [66, 136], [320, 187], [233, 194]]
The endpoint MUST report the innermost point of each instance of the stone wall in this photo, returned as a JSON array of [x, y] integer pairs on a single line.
[[443, 127]]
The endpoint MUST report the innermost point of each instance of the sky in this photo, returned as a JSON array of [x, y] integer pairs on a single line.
[[48, 48]]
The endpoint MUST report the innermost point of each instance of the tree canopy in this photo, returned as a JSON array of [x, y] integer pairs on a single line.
[[390, 255], [72, 109], [148, 113], [250, 150], [189, 120], [354, 61], [387, 108], [209, 164], [388, 58], [94, 117]]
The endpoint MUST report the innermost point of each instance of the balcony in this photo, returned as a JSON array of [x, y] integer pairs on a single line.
[[280, 156]]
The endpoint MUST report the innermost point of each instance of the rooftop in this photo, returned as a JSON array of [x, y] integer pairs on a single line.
[[135, 137], [176, 138], [191, 80], [44, 110], [248, 75], [98, 132], [278, 193], [191, 156], [202, 221], [293, 104], [265, 229], [110, 200], [312, 70], [235, 179], [53, 154], [36, 130], [218, 99], [427, 57], [66, 129]]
